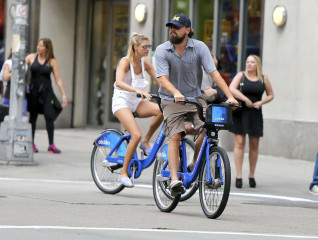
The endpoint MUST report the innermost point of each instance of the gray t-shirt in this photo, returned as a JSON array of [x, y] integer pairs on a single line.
[[184, 73]]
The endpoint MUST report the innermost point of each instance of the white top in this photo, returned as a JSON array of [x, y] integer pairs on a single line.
[[137, 81], [9, 62]]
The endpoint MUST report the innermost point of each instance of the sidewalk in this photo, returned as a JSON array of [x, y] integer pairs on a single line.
[[274, 175]]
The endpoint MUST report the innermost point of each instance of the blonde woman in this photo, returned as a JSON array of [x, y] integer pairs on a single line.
[[130, 80], [250, 120]]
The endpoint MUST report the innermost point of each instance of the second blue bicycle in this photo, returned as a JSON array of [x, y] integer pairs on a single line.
[[108, 157]]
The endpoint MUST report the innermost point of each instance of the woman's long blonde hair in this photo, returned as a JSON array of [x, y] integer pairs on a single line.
[[135, 40], [258, 67]]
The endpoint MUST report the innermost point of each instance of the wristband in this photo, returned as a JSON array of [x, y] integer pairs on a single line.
[[64, 96]]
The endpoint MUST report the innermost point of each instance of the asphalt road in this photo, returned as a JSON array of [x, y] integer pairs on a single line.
[[55, 198]]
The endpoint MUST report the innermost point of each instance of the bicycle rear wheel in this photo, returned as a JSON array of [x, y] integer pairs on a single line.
[[214, 197], [161, 190], [105, 174]]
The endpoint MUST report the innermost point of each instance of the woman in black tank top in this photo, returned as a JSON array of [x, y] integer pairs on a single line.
[[250, 119], [41, 98]]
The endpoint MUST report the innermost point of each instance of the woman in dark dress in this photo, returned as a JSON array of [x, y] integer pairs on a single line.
[[41, 98], [250, 119]]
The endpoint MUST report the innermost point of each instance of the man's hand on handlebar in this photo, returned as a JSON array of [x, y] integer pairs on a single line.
[[233, 101], [179, 98]]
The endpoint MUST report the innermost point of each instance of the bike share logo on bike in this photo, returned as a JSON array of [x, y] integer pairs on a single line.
[[104, 142]]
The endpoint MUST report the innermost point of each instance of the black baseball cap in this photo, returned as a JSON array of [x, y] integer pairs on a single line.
[[179, 20]]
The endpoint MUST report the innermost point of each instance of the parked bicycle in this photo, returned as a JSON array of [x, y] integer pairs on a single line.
[[108, 157], [214, 175]]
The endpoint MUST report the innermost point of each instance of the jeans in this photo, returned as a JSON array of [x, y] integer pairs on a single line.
[[315, 175]]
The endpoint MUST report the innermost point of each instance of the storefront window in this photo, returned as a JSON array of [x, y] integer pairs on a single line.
[[120, 35], [2, 18], [2, 57], [253, 29], [109, 45], [98, 63], [180, 6], [229, 37], [204, 21]]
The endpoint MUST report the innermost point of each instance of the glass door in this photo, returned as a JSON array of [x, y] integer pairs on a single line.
[[229, 22], [119, 47], [110, 32]]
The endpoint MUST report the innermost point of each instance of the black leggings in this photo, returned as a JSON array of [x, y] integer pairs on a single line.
[[49, 127]]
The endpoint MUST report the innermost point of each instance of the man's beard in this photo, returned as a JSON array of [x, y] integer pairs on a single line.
[[176, 39]]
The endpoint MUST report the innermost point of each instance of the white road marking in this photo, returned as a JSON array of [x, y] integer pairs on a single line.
[[158, 230], [251, 195]]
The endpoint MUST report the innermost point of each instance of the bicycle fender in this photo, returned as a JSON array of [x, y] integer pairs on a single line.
[[109, 139]]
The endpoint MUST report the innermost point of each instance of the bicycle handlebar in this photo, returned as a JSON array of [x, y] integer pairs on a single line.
[[191, 100], [199, 106], [153, 96]]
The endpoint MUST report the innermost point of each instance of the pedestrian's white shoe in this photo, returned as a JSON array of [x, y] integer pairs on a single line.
[[314, 190]]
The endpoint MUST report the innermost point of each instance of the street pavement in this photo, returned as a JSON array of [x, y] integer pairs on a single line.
[[274, 175], [55, 198]]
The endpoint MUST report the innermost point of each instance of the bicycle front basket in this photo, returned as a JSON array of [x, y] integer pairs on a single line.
[[218, 116]]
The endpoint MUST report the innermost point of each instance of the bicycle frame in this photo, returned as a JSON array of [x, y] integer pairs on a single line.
[[189, 178], [120, 149]]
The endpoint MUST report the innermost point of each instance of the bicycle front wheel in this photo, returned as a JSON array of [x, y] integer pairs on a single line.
[[214, 196], [105, 174], [161, 189]]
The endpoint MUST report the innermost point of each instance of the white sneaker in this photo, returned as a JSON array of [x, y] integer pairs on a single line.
[[126, 182], [314, 190]]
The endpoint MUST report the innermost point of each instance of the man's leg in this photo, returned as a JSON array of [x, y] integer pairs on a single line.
[[315, 174]]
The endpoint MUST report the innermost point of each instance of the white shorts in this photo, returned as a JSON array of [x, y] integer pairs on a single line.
[[124, 99]]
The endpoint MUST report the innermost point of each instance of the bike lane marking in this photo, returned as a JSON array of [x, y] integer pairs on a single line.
[[253, 195], [158, 230]]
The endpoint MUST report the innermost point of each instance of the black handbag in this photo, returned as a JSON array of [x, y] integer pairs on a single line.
[[56, 106], [4, 111], [240, 88]]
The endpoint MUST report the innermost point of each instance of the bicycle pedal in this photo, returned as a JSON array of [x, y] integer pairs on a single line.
[[161, 178], [108, 164], [181, 190]]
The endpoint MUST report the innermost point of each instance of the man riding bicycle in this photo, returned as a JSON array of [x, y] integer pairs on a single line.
[[179, 70]]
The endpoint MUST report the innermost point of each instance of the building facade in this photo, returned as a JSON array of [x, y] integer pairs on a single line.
[[90, 36]]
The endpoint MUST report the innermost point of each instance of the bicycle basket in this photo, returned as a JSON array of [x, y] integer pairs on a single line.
[[218, 116]]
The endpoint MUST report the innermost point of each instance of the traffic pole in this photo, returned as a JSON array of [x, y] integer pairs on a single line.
[[15, 130]]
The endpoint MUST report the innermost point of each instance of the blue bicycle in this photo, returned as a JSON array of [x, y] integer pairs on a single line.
[[212, 168], [108, 157]]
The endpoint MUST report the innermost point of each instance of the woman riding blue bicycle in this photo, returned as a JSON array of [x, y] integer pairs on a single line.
[[130, 80]]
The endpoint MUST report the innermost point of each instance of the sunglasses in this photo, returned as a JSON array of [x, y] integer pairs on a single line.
[[146, 46]]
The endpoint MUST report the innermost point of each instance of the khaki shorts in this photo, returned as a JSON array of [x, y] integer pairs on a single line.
[[174, 113]]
